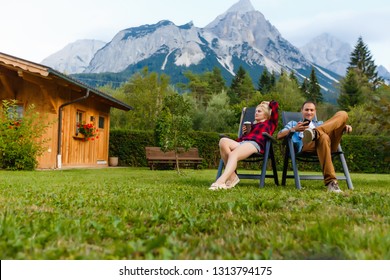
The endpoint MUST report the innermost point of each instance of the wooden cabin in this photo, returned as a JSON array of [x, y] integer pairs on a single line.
[[65, 103]]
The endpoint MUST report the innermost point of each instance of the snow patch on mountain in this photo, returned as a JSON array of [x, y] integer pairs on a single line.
[[327, 75], [190, 54]]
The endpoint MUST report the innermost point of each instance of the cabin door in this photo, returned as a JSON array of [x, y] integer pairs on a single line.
[[102, 155]]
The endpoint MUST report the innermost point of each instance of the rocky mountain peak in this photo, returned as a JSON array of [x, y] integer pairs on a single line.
[[242, 7], [329, 52], [239, 37], [74, 57]]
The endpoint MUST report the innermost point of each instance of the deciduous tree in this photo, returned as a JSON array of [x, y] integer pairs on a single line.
[[173, 125], [145, 91]]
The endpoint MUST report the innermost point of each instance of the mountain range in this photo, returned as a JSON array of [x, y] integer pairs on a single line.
[[239, 37]]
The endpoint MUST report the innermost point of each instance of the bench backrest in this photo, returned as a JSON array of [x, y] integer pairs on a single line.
[[156, 152]]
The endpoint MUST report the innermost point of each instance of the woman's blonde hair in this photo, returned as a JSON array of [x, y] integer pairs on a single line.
[[264, 106]]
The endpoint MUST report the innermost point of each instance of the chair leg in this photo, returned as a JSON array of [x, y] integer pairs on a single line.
[[220, 167], [265, 161], [285, 167], [274, 170], [294, 166], [346, 171]]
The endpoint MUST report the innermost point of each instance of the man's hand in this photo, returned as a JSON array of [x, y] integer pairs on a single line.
[[348, 129], [301, 126]]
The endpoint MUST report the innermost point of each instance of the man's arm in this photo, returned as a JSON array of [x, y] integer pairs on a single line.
[[291, 127], [283, 133]]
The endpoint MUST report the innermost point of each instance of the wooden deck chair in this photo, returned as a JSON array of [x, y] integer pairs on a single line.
[[248, 114], [290, 154]]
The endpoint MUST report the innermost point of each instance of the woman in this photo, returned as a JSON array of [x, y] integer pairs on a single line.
[[266, 120]]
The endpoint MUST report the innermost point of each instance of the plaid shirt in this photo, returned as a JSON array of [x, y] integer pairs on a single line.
[[269, 126]]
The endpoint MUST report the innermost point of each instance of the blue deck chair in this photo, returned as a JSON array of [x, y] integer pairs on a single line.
[[290, 154], [248, 114]]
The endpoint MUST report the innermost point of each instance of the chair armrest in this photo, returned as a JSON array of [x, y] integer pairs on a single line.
[[223, 136], [290, 134], [287, 138], [269, 137]]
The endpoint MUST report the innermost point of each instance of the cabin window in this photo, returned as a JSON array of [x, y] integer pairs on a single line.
[[101, 122], [80, 117], [15, 112]]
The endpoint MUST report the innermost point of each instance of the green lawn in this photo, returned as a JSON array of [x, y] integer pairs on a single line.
[[135, 213]]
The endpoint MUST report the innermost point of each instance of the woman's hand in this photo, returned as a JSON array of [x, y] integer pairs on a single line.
[[243, 129]]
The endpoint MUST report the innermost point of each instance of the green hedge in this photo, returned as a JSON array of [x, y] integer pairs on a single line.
[[365, 154]]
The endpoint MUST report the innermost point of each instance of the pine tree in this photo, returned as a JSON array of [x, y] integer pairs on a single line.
[[198, 86], [216, 82], [351, 93], [264, 84], [362, 62], [241, 87], [312, 88], [273, 79], [293, 77], [238, 79], [305, 86]]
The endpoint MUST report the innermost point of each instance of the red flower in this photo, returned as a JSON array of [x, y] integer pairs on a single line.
[[88, 130]]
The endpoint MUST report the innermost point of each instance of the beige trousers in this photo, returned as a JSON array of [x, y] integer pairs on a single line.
[[328, 139]]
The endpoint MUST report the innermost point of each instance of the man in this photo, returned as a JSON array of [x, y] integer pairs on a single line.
[[320, 137]]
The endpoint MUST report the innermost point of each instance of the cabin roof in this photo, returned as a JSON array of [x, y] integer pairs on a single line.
[[47, 72]]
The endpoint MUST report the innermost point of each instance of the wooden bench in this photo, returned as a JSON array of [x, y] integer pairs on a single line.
[[157, 158]]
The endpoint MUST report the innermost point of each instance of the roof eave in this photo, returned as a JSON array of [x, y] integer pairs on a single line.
[[113, 101]]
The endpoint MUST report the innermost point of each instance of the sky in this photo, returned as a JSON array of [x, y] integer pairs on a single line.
[[35, 29]]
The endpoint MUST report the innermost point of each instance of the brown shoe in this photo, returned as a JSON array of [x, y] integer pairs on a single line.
[[334, 187]]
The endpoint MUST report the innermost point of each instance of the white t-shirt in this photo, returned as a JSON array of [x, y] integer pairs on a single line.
[[311, 125]]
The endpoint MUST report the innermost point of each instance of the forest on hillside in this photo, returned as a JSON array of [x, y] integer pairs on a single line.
[[211, 105]]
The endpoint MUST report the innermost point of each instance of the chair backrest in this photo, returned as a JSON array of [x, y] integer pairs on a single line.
[[293, 116], [247, 115]]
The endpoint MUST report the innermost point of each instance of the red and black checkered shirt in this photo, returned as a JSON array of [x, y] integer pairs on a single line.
[[269, 126]]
